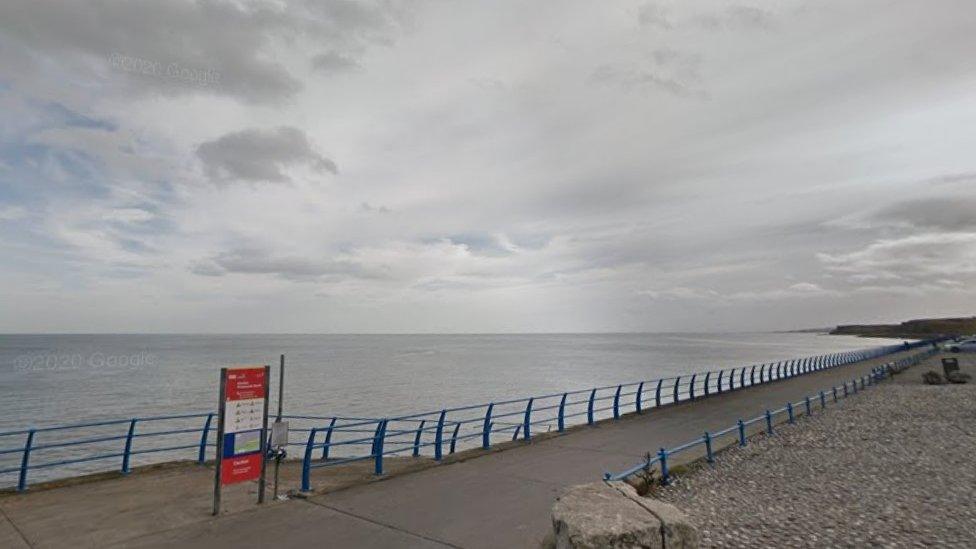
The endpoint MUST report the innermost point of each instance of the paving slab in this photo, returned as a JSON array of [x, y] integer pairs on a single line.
[[10, 538], [292, 524]]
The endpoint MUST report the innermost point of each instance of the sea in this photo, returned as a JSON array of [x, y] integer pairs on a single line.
[[50, 380]]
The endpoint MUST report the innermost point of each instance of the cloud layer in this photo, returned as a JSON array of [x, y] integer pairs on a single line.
[[175, 166]]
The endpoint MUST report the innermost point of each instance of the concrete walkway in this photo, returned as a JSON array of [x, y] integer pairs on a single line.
[[501, 499]]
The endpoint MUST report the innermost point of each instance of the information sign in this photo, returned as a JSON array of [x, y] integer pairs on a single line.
[[241, 428]]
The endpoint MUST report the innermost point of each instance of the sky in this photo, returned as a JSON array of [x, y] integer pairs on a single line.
[[363, 166]]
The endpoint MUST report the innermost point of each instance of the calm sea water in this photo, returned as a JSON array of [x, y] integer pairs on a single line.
[[50, 379]]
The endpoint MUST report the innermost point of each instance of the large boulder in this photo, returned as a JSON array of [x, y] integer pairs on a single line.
[[612, 514], [932, 377], [958, 377]]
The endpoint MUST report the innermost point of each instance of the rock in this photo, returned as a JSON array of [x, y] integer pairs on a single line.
[[958, 377], [613, 514], [598, 515], [932, 377]]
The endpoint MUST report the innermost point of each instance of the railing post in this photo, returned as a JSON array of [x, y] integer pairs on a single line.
[[527, 433], [806, 400], [486, 427], [25, 461], [657, 394], [708, 447], [769, 422], [439, 436], [454, 435], [128, 446], [674, 396], [202, 454], [720, 374], [378, 447], [762, 374], [752, 376], [561, 422], [307, 461], [662, 455], [416, 438], [742, 433], [616, 403], [589, 408], [707, 375], [742, 377], [845, 389], [327, 443], [823, 400], [789, 412], [835, 394], [854, 385], [637, 400], [691, 387]]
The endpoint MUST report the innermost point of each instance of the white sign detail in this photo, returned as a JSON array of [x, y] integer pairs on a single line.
[[243, 415]]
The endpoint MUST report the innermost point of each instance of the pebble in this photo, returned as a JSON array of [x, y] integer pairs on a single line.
[[889, 467]]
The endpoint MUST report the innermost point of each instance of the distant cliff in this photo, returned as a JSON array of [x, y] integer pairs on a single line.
[[912, 329]]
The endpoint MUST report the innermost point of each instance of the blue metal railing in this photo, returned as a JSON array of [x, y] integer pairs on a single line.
[[335, 440], [791, 409], [427, 433]]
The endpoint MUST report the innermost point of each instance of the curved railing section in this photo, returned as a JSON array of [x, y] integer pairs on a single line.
[[436, 433], [711, 441]]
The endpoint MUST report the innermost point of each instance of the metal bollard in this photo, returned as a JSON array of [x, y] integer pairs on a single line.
[[742, 433], [769, 422], [663, 457], [708, 448]]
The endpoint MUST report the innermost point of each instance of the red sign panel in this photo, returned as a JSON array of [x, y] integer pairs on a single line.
[[245, 383], [243, 420], [240, 469]]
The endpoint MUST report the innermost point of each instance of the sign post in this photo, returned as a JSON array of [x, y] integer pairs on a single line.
[[242, 428], [279, 430]]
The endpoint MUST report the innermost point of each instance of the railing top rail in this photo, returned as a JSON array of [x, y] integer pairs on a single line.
[[50, 428]]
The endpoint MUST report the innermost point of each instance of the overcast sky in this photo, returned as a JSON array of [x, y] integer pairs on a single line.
[[533, 166]]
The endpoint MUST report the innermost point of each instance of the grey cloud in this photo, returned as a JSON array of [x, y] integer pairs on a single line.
[[630, 78], [260, 155], [654, 15], [915, 258], [263, 262], [333, 62], [942, 213], [736, 18], [234, 40], [481, 244], [369, 208]]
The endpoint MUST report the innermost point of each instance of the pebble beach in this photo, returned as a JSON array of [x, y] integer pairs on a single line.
[[892, 466]]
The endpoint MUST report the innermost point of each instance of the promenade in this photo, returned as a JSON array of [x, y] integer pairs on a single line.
[[499, 499]]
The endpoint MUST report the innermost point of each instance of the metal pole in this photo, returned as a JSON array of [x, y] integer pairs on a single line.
[[262, 481], [281, 397], [219, 458]]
